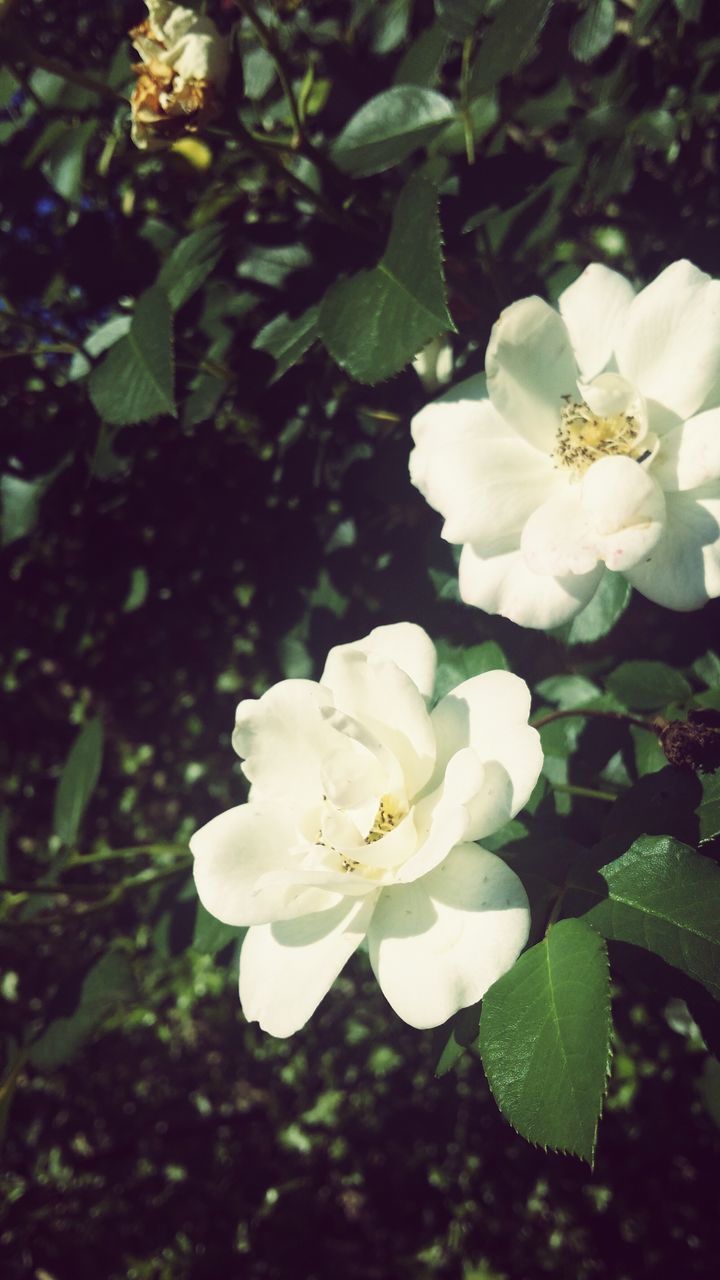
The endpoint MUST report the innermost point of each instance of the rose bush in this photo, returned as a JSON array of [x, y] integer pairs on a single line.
[[361, 815], [184, 66], [598, 449]]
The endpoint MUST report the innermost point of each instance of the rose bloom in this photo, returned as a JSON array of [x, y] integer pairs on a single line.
[[180, 79], [360, 823], [598, 449]]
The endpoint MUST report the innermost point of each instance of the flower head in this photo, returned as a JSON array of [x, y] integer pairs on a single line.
[[181, 76], [597, 449], [362, 813]]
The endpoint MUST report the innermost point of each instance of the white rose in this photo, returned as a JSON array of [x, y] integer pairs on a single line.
[[360, 821], [184, 67], [598, 448]]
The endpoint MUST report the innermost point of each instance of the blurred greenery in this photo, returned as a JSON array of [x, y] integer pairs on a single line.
[[196, 502]]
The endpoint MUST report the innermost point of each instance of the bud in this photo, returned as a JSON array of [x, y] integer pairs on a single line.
[[694, 743], [180, 79]]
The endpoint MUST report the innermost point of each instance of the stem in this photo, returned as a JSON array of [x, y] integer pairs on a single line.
[[269, 156], [464, 99], [589, 793], [268, 39], [25, 52], [621, 717], [132, 851]]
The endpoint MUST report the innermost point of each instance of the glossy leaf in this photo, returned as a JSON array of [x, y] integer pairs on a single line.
[[374, 323], [190, 263], [545, 1039], [389, 127], [77, 781], [135, 380], [601, 613], [287, 340], [647, 686], [663, 896], [456, 664]]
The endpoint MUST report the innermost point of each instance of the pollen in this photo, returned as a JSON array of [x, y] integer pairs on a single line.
[[389, 814], [583, 437]]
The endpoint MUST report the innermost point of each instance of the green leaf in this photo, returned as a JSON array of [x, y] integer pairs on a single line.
[[374, 323], [647, 686], [508, 41], [592, 34], [690, 10], [20, 501], [707, 669], [64, 162], [287, 340], [135, 380], [663, 896], [77, 781], [456, 664], [190, 263], [423, 59], [709, 810], [545, 1039], [108, 982], [459, 17], [137, 591], [258, 73], [96, 342], [211, 935], [567, 692], [601, 613], [389, 127]]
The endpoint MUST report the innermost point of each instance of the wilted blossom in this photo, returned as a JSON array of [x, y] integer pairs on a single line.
[[181, 76], [598, 449], [360, 823]]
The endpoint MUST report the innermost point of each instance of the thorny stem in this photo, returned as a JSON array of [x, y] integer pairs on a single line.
[[621, 717]]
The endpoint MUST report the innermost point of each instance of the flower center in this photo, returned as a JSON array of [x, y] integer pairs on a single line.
[[389, 814], [584, 436]]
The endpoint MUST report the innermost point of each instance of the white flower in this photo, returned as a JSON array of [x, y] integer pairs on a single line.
[[183, 70], [598, 448], [362, 810]]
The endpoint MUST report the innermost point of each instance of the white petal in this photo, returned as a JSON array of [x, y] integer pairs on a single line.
[[235, 851], [557, 539], [287, 968], [530, 367], [594, 308], [377, 693], [489, 714], [478, 473], [625, 509], [283, 737], [670, 346], [683, 570], [504, 584], [689, 455], [444, 817], [437, 945], [404, 643]]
